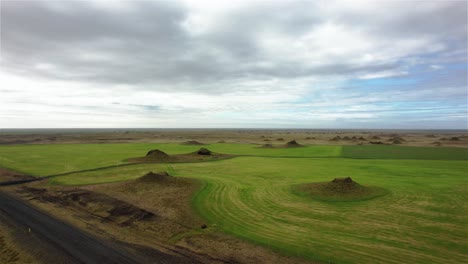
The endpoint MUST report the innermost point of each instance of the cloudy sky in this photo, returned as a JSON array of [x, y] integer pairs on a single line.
[[265, 64]]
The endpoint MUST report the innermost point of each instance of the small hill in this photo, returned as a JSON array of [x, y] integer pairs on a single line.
[[204, 151], [293, 144], [157, 154], [152, 177], [266, 146], [339, 190]]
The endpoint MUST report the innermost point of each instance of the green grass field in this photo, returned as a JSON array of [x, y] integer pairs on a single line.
[[422, 220]]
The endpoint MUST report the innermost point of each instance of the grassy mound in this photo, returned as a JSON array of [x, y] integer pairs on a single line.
[[339, 190]]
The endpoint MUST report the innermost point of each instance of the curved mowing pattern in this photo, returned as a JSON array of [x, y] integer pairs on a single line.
[[423, 220]]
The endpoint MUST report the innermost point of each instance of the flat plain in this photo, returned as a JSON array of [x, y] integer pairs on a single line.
[[421, 218]]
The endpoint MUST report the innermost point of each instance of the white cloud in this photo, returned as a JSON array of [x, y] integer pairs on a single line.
[[205, 63]]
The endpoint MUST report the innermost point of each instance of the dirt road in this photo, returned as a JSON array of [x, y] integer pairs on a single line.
[[64, 243]]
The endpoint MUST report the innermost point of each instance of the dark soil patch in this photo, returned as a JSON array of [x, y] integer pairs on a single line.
[[193, 143], [396, 142], [339, 190], [7, 175], [375, 137], [437, 143], [280, 139], [335, 138], [100, 205], [377, 142]]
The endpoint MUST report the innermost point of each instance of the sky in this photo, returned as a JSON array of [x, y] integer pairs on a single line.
[[249, 64]]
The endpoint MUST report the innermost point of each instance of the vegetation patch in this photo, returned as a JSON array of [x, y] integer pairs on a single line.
[[339, 190]]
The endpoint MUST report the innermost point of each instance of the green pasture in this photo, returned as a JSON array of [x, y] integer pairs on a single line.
[[403, 152], [42, 160], [422, 218]]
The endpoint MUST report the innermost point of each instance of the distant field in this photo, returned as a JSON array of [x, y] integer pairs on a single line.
[[42, 160], [421, 220], [404, 152]]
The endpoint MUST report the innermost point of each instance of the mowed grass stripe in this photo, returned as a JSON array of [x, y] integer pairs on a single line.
[[404, 152]]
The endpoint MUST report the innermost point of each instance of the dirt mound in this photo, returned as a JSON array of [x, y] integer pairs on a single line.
[[396, 141], [266, 146], [193, 143], [156, 153], [339, 189], [204, 151], [341, 185], [280, 139], [377, 142], [362, 138], [154, 177], [375, 137], [98, 204], [335, 138], [293, 144], [437, 143], [346, 138]]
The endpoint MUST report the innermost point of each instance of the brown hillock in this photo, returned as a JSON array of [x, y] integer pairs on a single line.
[[336, 138], [280, 139], [396, 141], [340, 189], [157, 153], [341, 185], [293, 144], [204, 151], [151, 177], [375, 137], [266, 146], [397, 138]]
